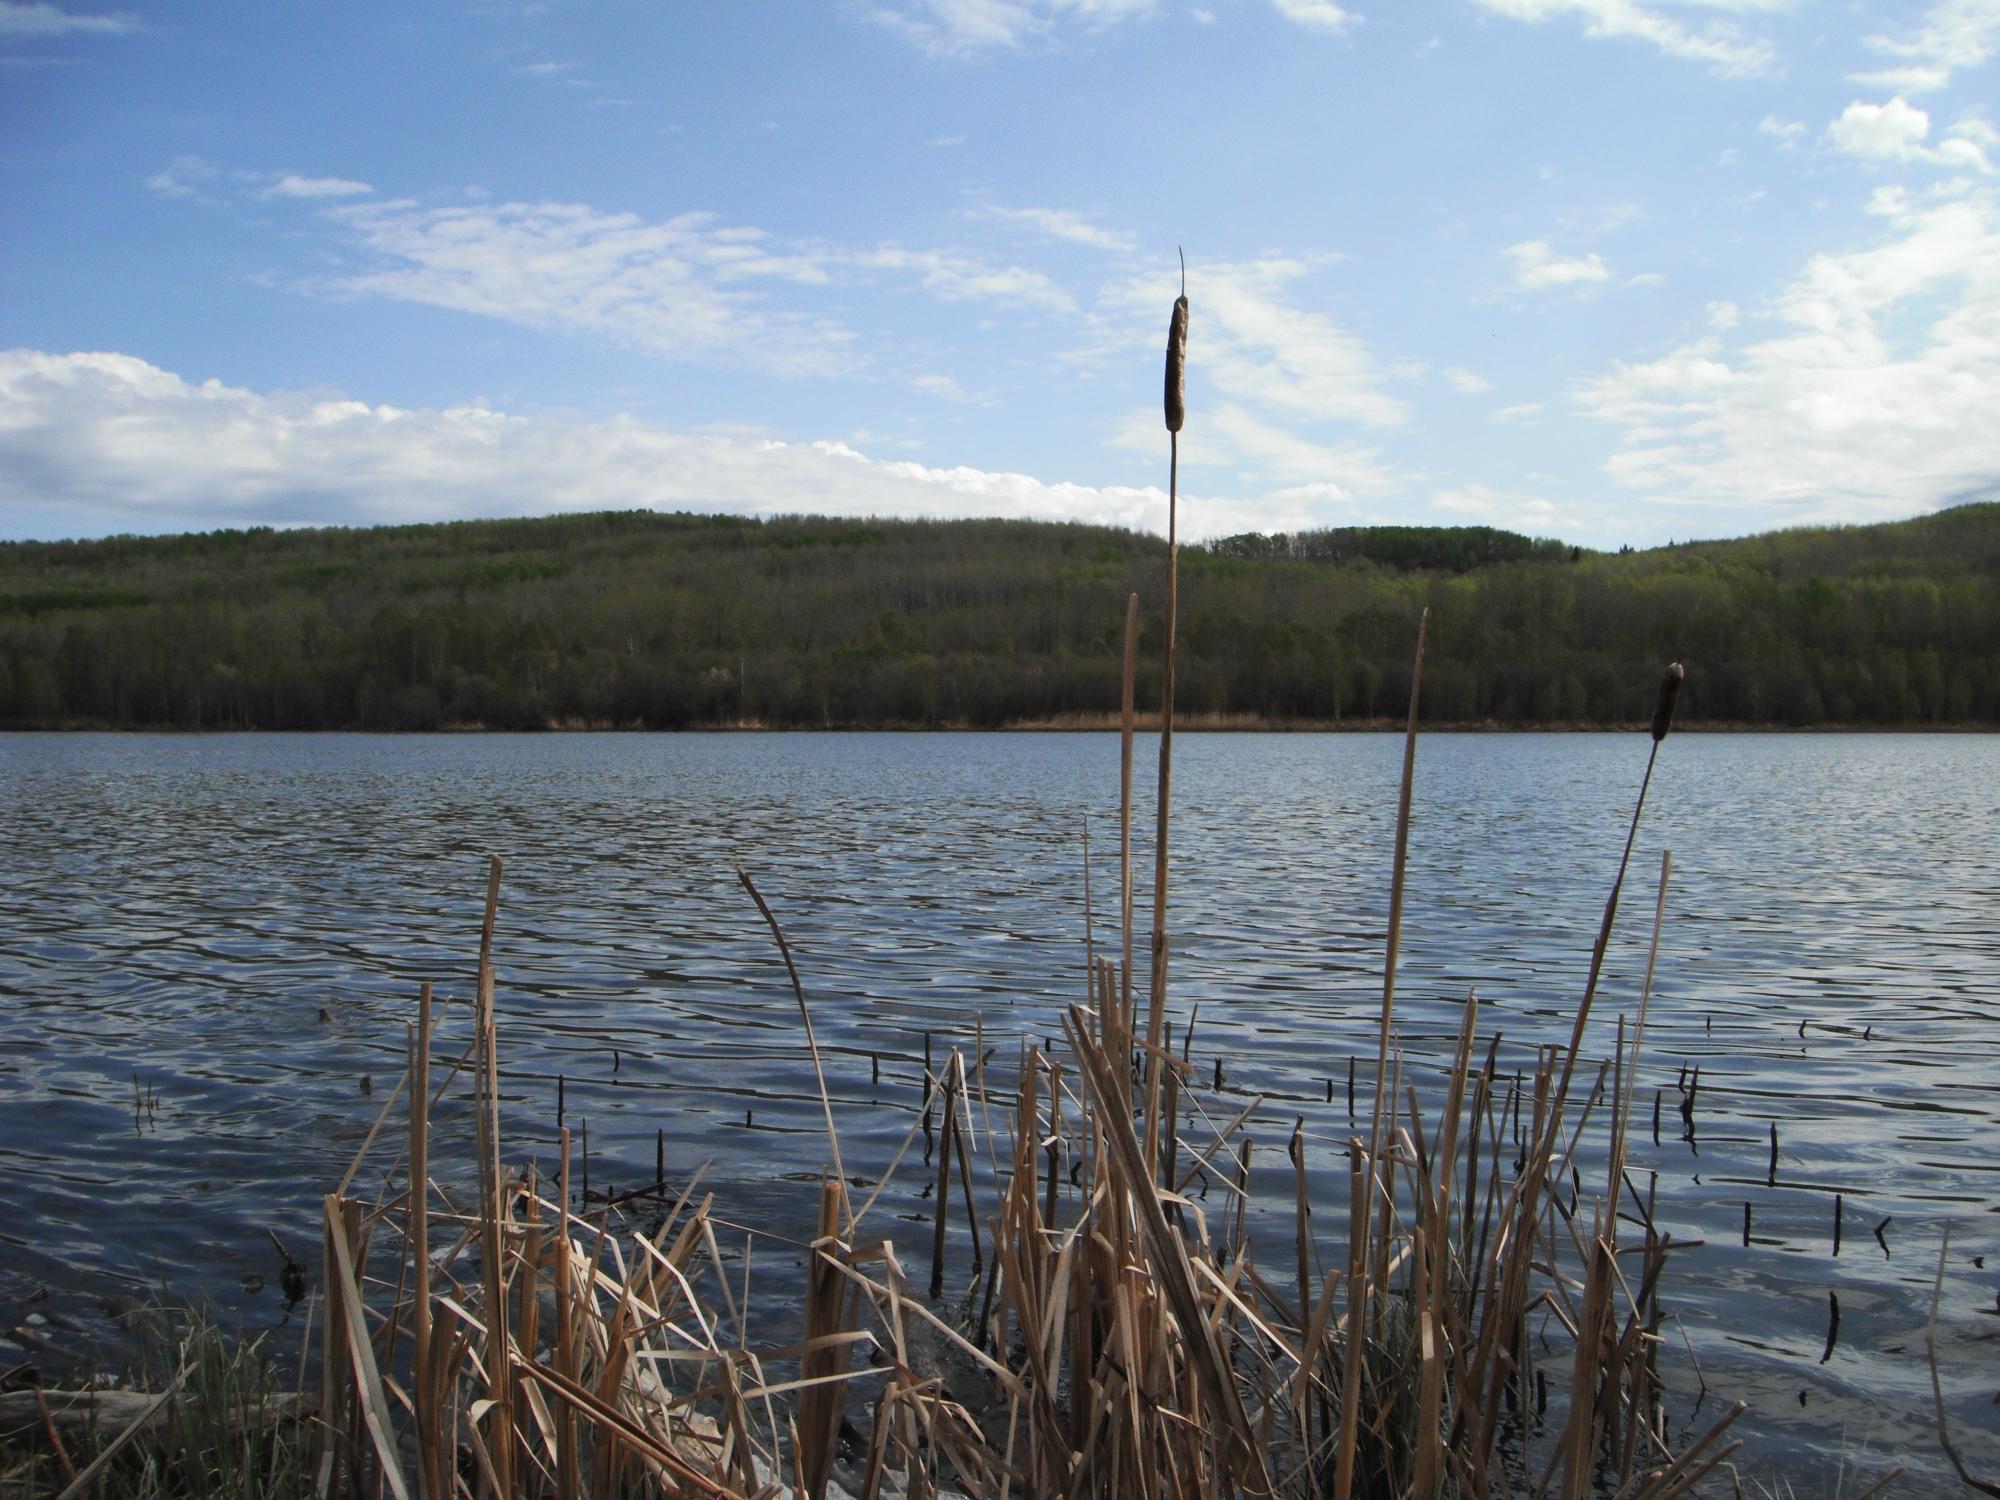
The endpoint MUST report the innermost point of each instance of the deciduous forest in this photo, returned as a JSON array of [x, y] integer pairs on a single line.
[[678, 621]]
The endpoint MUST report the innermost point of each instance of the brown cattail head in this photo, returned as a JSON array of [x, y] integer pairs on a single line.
[[1670, 689], [1177, 365]]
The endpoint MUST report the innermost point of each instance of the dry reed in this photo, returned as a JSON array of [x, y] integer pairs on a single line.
[[1127, 1342]]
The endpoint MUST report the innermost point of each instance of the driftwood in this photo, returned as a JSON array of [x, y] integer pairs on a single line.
[[78, 1413]]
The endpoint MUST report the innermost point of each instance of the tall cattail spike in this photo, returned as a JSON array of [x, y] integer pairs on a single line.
[[1177, 365], [1670, 689]]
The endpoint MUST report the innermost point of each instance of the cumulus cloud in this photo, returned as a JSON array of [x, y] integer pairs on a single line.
[[1537, 267], [1785, 132], [1874, 402], [1467, 382], [961, 28], [1954, 35], [95, 443], [1722, 44], [1896, 131]]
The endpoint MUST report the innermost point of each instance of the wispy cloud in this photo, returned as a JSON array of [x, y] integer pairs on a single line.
[[960, 28], [42, 19], [1723, 45], [1537, 267], [1512, 509], [108, 442], [291, 185], [183, 177], [1467, 382], [945, 388], [1057, 224], [1264, 346], [1786, 133], [1317, 15], [961, 276], [1954, 35], [687, 288], [1875, 402]]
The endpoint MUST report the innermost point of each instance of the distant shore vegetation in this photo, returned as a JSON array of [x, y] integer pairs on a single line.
[[658, 621]]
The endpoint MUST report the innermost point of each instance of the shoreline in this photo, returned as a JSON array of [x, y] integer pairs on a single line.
[[1105, 723]]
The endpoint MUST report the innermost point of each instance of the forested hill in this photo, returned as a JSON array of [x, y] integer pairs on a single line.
[[671, 620]]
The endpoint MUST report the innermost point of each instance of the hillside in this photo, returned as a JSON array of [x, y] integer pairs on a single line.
[[671, 621]]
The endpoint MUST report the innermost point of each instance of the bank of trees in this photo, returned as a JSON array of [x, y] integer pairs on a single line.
[[675, 621]]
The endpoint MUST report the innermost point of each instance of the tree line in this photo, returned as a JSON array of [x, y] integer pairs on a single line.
[[673, 621]]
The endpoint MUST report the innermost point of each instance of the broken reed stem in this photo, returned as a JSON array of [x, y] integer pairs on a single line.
[[805, 1017]]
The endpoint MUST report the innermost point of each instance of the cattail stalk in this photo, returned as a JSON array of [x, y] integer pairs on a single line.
[[1176, 414]]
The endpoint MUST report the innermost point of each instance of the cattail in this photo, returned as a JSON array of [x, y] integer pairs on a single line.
[[1177, 365], [1670, 689]]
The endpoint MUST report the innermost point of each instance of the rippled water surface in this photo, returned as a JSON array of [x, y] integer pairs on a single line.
[[231, 932]]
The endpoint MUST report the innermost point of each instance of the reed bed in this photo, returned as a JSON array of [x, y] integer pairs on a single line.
[[1490, 1326], [1490, 1323]]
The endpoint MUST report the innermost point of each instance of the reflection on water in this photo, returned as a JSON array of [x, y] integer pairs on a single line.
[[207, 943]]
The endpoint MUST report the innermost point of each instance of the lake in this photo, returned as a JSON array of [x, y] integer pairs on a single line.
[[207, 942]]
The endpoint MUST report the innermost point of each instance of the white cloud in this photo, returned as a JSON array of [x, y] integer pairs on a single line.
[[1721, 44], [1875, 402], [1058, 224], [1467, 382], [43, 19], [291, 185], [1254, 342], [1319, 15], [1896, 131], [1723, 315], [1537, 267], [958, 276], [1955, 34], [183, 177], [1785, 132], [1233, 435], [1495, 507], [934, 383], [1519, 413], [961, 28], [690, 288], [95, 443], [687, 289]]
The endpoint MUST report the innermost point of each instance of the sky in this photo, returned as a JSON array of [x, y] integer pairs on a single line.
[[1614, 271]]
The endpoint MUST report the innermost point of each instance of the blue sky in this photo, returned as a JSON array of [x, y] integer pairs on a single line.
[[1616, 271]]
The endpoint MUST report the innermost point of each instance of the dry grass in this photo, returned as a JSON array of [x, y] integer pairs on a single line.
[[1477, 1334]]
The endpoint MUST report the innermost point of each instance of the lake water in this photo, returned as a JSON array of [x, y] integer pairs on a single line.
[[177, 912]]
